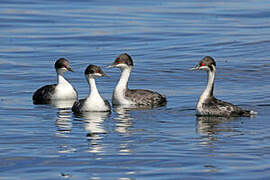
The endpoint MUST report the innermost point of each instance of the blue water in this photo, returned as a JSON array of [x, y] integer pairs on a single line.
[[165, 39]]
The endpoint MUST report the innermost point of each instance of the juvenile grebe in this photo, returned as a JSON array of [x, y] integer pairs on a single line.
[[63, 90], [139, 97], [93, 102], [208, 105]]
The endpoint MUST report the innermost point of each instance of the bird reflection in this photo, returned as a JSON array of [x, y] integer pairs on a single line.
[[93, 125], [123, 120], [208, 125], [63, 121], [123, 124], [62, 104]]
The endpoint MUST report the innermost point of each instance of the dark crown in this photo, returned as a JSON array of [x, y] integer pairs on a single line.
[[91, 69], [208, 61], [61, 63], [124, 59]]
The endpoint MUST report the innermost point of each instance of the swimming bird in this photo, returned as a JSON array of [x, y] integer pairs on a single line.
[[63, 90], [93, 102], [122, 95], [208, 105]]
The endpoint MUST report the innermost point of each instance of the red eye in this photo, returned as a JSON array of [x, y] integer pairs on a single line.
[[118, 62], [202, 64]]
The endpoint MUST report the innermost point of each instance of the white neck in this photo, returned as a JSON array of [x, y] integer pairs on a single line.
[[61, 80], [208, 92], [64, 89], [121, 87], [93, 94], [94, 102], [122, 84]]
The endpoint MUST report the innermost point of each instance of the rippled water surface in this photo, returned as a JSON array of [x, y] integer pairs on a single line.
[[165, 39]]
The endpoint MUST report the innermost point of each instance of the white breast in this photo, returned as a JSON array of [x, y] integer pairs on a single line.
[[119, 98], [94, 103], [64, 90], [202, 99]]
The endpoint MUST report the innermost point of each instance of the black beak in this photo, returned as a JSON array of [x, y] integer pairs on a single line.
[[196, 67], [69, 68], [111, 66]]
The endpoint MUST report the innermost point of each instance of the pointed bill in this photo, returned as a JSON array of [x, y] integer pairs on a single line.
[[69, 68], [195, 68]]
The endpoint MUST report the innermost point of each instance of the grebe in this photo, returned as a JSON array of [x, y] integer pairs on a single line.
[[139, 97], [93, 102], [208, 105], [63, 90]]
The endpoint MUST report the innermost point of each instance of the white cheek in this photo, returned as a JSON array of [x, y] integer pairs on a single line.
[[61, 70], [121, 66], [97, 75], [206, 68]]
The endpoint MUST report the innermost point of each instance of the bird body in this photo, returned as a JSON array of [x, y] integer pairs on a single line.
[[208, 104], [93, 102], [63, 90], [122, 95]]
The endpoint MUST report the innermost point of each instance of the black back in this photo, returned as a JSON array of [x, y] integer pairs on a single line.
[[44, 94]]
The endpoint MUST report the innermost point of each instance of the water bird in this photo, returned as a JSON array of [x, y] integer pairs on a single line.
[[208, 105], [63, 90], [93, 102], [122, 95]]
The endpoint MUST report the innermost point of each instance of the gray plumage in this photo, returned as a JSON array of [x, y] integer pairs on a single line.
[[144, 97], [208, 105], [77, 106], [44, 94], [107, 104], [214, 107], [124, 96]]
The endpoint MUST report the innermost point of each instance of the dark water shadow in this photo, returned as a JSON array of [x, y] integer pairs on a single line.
[[212, 129], [207, 125]]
